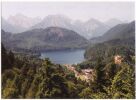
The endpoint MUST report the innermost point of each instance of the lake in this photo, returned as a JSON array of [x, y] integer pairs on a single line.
[[64, 56]]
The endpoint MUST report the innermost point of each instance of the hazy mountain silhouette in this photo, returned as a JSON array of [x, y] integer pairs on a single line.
[[89, 29]]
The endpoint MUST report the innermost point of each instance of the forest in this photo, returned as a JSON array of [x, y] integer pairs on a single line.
[[25, 76]]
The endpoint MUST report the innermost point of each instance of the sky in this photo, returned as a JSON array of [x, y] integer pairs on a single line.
[[102, 11]]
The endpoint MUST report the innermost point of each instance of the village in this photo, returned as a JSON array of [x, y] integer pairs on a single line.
[[85, 74], [89, 74]]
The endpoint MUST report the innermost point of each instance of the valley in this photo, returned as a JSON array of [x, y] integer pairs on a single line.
[[56, 57]]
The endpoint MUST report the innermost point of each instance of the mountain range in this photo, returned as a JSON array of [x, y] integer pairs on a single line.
[[19, 23], [57, 38], [89, 29], [23, 21], [9, 27]]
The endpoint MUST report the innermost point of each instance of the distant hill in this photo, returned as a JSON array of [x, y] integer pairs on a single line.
[[54, 21], [51, 38], [119, 31], [118, 40], [91, 28], [23, 21], [95, 28], [9, 27]]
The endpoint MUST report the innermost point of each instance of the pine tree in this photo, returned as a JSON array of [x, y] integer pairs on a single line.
[[123, 84]]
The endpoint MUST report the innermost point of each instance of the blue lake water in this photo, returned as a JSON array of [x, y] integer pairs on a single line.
[[64, 56]]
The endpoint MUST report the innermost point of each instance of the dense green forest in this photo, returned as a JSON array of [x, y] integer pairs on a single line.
[[30, 77]]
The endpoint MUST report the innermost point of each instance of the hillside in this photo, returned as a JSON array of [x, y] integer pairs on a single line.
[[117, 40], [120, 31], [51, 38], [114, 47]]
